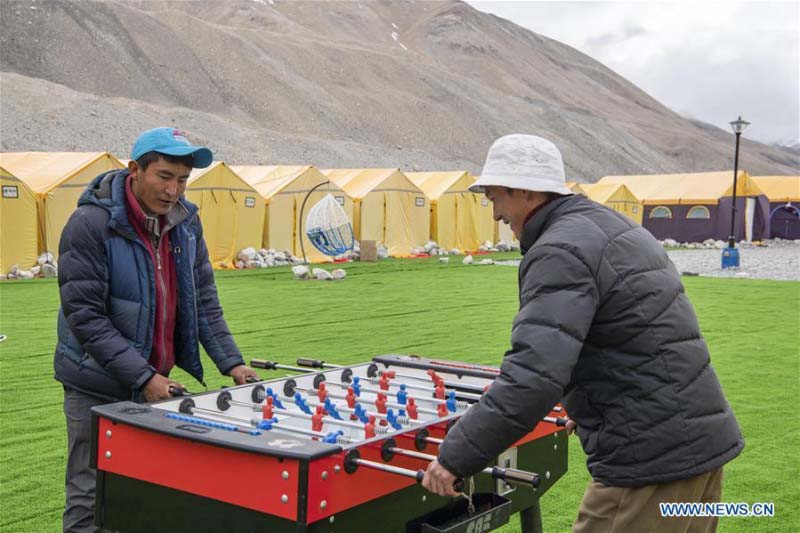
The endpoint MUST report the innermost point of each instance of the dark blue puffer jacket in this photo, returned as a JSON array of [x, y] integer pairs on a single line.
[[107, 285]]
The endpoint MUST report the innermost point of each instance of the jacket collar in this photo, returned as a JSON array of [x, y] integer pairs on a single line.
[[108, 191], [536, 225]]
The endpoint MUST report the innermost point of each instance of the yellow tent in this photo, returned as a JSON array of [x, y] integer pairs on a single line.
[[685, 189], [782, 189], [615, 196], [486, 225], [577, 188], [283, 189], [231, 211], [389, 208], [17, 224], [58, 179], [459, 218], [698, 206]]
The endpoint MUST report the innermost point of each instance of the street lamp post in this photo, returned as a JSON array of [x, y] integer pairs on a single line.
[[730, 255]]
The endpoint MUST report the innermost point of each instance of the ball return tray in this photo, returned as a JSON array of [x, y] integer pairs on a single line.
[[491, 512]]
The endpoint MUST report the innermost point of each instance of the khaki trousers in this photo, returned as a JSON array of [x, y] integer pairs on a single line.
[[607, 509]]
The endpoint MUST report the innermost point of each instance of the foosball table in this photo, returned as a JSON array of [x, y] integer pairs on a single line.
[[326, 449]]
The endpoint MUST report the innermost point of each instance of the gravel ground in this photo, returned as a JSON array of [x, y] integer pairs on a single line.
[[778, 260]]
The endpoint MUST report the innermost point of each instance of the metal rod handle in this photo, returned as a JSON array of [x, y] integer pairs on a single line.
[[513, 475], [272, 365]]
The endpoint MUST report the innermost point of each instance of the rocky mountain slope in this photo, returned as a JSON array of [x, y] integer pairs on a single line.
[[417, 85]]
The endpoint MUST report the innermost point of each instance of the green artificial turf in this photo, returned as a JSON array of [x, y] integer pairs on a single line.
[[420, 306]]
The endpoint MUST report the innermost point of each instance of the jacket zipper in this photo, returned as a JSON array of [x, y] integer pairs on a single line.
[[195, 291], [163, 289]]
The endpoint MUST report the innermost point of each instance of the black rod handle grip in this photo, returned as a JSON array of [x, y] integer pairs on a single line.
[[311, 363], [177, 391], [516, 476], [266, 365], [458, 484]]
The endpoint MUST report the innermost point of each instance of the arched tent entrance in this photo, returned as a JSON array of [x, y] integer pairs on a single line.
[[783, 193], [58, 179], [231, 212], [459, 218], [388, 207], [18, 233], [283, 189], [784, 222]]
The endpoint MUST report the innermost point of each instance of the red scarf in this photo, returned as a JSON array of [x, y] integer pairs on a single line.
[[536, 209], [162, 355]]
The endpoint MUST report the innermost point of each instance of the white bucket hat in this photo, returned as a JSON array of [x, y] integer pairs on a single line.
[[523, 162]]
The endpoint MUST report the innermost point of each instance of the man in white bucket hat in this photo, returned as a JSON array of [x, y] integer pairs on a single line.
[[605, 327]]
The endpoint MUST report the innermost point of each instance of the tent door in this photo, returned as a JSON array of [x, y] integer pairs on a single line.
[[749, 215]]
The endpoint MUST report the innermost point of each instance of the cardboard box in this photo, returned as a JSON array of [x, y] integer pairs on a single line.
[[369, 251]]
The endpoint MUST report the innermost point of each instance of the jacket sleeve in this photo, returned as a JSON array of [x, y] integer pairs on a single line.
[[558, 300], [213, 330], [83, 286]]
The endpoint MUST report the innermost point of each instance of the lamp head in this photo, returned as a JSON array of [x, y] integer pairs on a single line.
[[739, 125]]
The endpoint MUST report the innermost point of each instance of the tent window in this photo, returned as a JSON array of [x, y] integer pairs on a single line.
[[484, 202], [635, 209], [420, 202], [698, 211], [340, 200], [661, 212], [250, 201]]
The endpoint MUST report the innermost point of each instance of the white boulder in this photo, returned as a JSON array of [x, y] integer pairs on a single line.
[[49, 271], [321, 274], [46, 257], [300, 272], [248, 254]]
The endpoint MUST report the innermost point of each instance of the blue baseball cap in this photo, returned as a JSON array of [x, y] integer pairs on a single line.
[[171, 141]]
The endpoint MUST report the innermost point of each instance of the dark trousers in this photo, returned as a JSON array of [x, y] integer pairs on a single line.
[[80, 477]]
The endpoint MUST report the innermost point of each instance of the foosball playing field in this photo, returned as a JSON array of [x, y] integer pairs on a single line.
[[442, 312]]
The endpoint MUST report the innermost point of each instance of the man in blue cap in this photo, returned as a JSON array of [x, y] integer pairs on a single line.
[[137, 294]]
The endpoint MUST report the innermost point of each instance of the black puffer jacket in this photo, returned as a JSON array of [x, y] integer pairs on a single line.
[[604, 325]]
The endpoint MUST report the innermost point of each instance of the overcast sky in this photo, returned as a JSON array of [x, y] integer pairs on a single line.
[[712, 61]]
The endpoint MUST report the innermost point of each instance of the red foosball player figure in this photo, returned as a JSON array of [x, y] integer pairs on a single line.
[[369, 428], [316, 419], [411, 408], [267, 409]]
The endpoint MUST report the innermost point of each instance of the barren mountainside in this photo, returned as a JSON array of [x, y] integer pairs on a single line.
[[416, 85]]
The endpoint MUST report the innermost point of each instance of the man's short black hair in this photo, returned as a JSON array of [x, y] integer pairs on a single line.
[[151, 157]]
